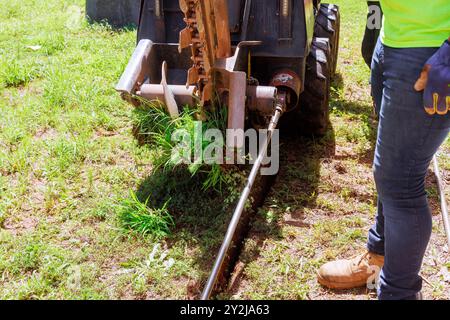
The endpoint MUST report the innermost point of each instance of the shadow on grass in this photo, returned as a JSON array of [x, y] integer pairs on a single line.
[[114, 28], [343, 105], [201, 217], [354, 108], [197, 213]]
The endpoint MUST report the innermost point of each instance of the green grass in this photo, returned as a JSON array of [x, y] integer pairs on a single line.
[[145, 221], [154, 127], [69, 160]]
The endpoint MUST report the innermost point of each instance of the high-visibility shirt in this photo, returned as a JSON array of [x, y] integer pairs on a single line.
[[415, 23]]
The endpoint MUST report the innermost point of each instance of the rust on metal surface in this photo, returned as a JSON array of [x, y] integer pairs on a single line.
[[207, 33], [288, 81]]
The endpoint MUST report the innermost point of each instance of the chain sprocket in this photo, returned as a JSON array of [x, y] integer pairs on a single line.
[[207, 33]]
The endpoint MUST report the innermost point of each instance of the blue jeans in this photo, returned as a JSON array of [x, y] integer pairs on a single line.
[[408, 138]]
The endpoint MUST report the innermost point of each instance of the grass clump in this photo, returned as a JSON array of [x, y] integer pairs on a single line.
[[143, 220], [153, 126], [15, 74], [178, 172]]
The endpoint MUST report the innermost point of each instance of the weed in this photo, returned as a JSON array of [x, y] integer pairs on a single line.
[[155, 127], [145, 221], [15, 73]]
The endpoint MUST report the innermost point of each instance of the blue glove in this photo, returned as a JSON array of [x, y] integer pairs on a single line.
[[435, 80]]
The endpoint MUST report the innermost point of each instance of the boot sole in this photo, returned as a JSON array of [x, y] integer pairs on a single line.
[[341, 285]]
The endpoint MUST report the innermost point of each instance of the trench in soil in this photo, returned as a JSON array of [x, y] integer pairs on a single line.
[[202, 217]]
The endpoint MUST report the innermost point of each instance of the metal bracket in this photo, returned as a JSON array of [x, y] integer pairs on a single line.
[[136, 69], [169, 98]]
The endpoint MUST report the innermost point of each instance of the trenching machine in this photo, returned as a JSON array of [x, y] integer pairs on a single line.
[[261, 58]]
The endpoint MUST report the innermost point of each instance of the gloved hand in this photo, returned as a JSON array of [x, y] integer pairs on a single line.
[[435, 80]]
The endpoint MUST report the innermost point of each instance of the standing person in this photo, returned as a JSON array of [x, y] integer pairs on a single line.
[[413, 124]]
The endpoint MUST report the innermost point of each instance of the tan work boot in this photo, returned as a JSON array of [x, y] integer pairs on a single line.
[[349, 274]]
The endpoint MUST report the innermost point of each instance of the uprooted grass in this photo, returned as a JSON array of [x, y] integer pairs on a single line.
[[182, 142]]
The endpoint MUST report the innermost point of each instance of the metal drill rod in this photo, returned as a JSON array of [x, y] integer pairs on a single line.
[[240, 207], [444, 207]]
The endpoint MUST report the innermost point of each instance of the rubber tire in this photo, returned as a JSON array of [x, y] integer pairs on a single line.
[[313, 111], [328, 23]]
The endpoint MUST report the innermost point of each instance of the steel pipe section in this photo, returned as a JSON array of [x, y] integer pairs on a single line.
[[183, 96], [136, 69]]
